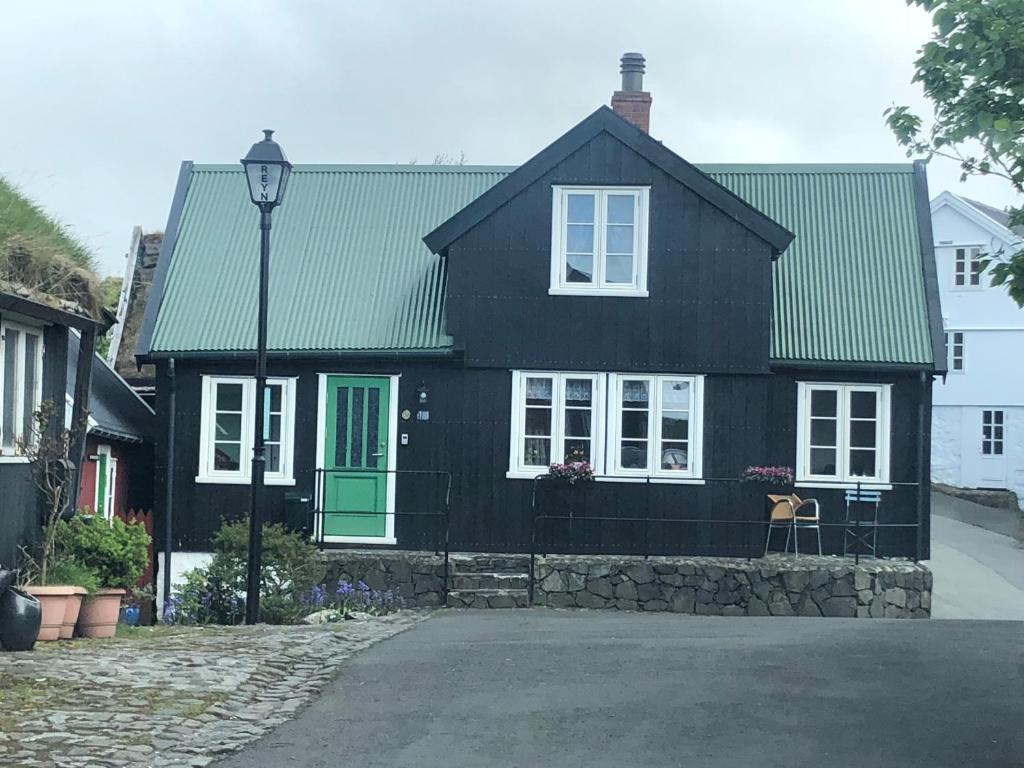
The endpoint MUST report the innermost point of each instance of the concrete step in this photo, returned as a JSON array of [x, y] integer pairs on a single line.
[[488, 598], [463, 581]]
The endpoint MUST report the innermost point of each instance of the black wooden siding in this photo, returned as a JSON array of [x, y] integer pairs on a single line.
[[709, 280], [749, 419]]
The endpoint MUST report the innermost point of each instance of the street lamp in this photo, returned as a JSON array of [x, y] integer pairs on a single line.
[[267, 171]]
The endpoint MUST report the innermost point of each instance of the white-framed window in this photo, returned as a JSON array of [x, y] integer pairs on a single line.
[[555, 418], [656, 426], [967, 267], [21, 385], [992, 432], [955, 351], [628, 426], [226, 431], [599, 240], [843, 432]]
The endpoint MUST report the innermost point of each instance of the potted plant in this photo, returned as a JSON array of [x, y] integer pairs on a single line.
[[776, 477], [49, 454], [131, 611], [118, 553], [82, 580]]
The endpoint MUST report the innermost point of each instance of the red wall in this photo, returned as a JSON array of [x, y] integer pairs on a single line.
[[87, 492]]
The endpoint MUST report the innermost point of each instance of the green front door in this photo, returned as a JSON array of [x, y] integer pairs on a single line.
[[355, 489]]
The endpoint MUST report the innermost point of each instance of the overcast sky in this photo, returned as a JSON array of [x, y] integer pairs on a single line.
[[102, 100]]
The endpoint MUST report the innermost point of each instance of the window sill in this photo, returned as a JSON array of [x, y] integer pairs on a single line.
[[14, 459], [654, 479], [627, 292], [243, 480], [844, 485], [519, 474]]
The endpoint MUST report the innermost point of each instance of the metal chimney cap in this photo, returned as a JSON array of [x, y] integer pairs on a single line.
[[632, 72], [633, 62]]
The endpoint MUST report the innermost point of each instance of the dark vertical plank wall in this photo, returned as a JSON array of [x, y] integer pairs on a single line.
[[709, 281], [749, 419]]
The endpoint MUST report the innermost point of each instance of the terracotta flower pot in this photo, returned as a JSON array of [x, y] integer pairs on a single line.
[[72, 607], [99, 614], [54, 602]]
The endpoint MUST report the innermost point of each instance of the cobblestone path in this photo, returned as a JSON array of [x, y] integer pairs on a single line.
[[178, 697]]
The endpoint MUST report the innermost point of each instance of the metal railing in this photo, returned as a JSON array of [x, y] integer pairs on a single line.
[[319, 514], [752, 526]]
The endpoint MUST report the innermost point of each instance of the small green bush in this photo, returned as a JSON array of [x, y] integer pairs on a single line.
[[291, 567], [281, 609], [69, 572], [118, 552], [291, 564]]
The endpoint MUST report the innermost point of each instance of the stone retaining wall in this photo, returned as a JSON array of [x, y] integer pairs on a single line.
[[771, 586], [417, 577], [777, 585]]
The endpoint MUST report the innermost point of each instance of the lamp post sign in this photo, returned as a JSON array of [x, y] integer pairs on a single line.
[[266, 171]]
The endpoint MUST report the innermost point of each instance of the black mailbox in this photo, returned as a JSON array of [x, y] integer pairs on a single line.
[[298, 509]]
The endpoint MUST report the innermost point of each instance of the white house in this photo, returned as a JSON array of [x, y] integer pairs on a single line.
[[978, 412]]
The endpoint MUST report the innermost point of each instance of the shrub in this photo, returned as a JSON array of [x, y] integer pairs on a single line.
[[291, 564], [69, 572], [204, 597], [118, 552], [281, 609]]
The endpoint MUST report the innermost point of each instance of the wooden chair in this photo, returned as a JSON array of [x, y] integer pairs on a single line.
[[793, 513]]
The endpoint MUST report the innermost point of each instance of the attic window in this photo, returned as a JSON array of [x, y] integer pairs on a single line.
[[967, 268], [599, 241]]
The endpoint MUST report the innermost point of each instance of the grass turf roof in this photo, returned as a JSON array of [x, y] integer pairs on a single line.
[[20, 217], [39, 258]]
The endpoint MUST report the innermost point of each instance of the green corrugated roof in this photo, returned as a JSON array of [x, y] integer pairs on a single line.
[[850, 287], [349, 269]]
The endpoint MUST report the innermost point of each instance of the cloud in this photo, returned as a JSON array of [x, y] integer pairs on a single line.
[[104, 99]]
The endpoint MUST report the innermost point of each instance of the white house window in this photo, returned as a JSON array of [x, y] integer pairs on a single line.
[[955, 351], [656, 425], [627, 426], [992, 433], [843, 432], [554, 418], [21, 385], [226, 436], [967, 267], [599, 241]]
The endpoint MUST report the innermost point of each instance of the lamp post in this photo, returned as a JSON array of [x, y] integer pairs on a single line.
[[266, 171]]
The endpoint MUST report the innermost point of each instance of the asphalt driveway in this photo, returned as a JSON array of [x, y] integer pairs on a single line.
[[589, 688]]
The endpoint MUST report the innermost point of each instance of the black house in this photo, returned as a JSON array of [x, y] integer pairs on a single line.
[[450, 331]]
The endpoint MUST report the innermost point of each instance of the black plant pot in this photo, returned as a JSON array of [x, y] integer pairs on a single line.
[[7, 578], [20, 617]]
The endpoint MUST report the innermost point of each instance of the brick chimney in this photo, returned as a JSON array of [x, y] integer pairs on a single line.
[[632, 102]]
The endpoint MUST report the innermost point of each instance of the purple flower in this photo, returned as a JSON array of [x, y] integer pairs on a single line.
[[361, 586]]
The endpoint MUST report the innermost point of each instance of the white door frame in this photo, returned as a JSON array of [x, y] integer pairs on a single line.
[[321, 434]]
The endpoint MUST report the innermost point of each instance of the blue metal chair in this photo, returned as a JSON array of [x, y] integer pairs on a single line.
[[862, 537]]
